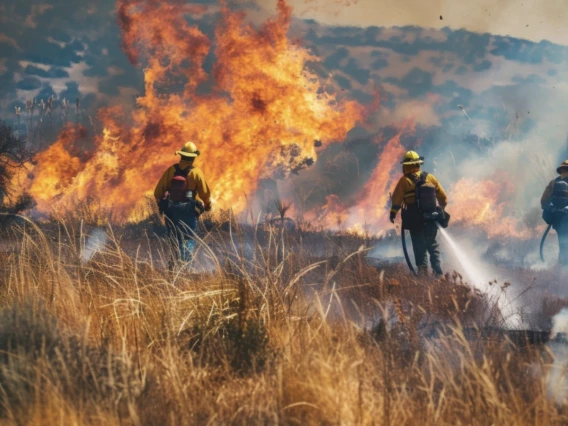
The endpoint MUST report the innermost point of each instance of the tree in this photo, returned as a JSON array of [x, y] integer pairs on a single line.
[[14, 154]]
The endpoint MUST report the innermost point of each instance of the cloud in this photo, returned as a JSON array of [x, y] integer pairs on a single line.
[[4, 39], [482, 66], [36, 11], [51, 72], [43, 51], [29, 83], [46, 92]]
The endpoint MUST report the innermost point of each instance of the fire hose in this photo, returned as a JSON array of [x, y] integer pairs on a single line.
[[408, 262], [543, 240]]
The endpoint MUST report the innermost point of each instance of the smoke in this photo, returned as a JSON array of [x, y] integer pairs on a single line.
[[557, 380], [94, 243]]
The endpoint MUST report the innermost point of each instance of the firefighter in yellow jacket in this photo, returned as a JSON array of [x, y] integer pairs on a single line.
[[423, 233], [555, 196], [193, 193]]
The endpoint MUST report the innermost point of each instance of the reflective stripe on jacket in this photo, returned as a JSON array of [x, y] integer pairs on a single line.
[[405, 191]]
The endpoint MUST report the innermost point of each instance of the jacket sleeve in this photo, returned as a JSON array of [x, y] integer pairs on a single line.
[[203, 189], [162, 186], [398, 196], [440, 193], [547, 194]]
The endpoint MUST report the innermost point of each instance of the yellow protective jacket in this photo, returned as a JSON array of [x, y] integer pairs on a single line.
[[195, 182], [550, 189], [405, 191]]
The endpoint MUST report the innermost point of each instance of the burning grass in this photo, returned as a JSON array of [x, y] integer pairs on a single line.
[[273, 326]]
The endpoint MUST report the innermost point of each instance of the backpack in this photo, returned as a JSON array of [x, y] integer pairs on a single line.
[[560, 194], [178, 183], [555, 211], [179, 203], [426, 208], [426, 200]]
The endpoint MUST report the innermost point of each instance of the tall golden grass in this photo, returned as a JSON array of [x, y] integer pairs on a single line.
[[257, 331]]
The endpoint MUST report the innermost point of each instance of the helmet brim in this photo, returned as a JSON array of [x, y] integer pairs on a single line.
[[186, 154], [412, 163]]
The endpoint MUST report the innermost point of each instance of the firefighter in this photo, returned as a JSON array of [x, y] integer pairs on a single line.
[[555, 196], [416, 183], [182, 195]]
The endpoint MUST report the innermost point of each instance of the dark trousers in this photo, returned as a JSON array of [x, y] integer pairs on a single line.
[[562, 231], [182, 238], [424, 241]]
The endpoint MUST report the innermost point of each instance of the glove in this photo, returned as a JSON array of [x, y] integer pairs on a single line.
[[208, 207], [392, 217]]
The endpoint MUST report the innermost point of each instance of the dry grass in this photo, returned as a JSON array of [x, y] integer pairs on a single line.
[[263, 331]]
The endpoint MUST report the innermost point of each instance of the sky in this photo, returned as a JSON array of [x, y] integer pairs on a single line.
[[533, 20]]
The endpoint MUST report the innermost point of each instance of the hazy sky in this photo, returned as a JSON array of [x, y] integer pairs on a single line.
[[530, 19]]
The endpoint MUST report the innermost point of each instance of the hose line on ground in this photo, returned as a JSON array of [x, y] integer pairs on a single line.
[[542, 242], [403, 239]]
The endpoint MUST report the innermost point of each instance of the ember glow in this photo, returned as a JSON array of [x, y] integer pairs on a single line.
[[260, 119]]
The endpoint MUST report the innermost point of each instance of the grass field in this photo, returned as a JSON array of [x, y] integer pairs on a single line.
[[269, 327]]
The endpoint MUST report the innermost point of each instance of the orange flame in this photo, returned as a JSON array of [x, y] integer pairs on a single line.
[[486, 204], [374, 200], [261, 117], [333, 213]]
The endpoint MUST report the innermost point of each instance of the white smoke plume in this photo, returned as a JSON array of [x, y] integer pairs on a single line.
[[94, 243]]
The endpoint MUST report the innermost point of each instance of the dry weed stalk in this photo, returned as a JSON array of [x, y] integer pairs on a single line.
[[256, 333]]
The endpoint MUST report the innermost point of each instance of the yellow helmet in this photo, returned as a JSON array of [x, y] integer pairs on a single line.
[[188, 150], [412, 158], [563, 166]]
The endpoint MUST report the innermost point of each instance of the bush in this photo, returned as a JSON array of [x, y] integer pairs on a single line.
[[37, 359], [13, 155], [243, 345]]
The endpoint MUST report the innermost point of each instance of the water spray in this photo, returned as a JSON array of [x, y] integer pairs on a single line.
[[468, 267], [94, 243], [478, 278]]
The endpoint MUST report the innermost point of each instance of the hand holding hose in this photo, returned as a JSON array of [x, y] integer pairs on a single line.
[[392, 217]]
